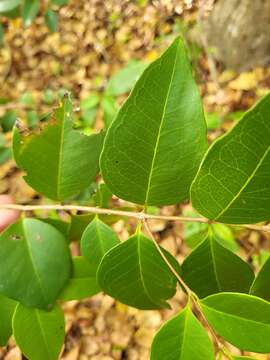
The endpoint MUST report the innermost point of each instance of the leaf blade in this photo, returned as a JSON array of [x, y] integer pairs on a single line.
[[128, 273], [148, 165], [54, 158], [28, 273], [232, 183], [211, 268], [47, 331], [184, 338], [241, 319]]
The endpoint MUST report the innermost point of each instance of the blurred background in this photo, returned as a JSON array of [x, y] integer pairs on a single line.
[[96, 50]]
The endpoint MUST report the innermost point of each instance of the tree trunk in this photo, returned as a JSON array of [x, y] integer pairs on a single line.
[[239, 30]]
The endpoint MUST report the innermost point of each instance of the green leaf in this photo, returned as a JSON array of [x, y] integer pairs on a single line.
[[243, 320], [7, 308], [39, 334], [58, 224], [97, 239], [103, 196], [182, 338], [110, 107], [8, 5], [60, 161], [225, 236], [34, 263], [211, 268], [8, 120], [154, 146], [242, 358], [80, 222], [83, 282], [135, 274], [124, 80], [232, 185], [30, 11], [51, 20], [260, 286], [60, 2]]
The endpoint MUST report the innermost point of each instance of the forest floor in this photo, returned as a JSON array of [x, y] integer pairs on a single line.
[[95, 39]]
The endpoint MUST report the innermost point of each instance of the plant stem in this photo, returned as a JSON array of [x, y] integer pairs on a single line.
[[191, 295], [137, 215]]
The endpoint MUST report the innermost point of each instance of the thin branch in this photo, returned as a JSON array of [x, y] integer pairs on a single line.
[[175, 273], [136, 215], [191, 294]]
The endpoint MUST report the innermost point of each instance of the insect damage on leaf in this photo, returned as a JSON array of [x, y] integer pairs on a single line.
[[54, 154]]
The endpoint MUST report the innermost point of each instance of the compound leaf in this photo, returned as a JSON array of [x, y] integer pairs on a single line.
[[60, 161], [153, 148], [82, 283], [182, 338], [34, 263], [241, 319], [135, 274], [211, 268], [233, 183], [39, 334], [7, 308]]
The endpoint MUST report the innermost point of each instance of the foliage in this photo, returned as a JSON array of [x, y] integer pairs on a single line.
[[154, 153], [29, 9]]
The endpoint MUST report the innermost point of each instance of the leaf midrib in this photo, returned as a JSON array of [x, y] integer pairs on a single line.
[[61, 153], [244, 186], [159, 130], [236, 316], [42, 333], [140, 270], [28, 247]]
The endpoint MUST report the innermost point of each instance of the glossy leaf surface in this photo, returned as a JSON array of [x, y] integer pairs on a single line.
[[97, 239], [182, 338], [211, 268], [60, 161], [135, 274], [243, 320], [233, 183], [83, 282], [34, 263], [154, 146], [7, 308], [39, 334]]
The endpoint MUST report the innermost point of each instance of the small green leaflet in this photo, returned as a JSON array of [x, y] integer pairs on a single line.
[[30, 11], [233, 183], [241, 319], [154, 146], [211, 268], [8, 5], [260, 286], [135, 274], [182, 338], [97, 239], [7, 308], [60, 161], [51, 20], [83, 282], [123, 81], [38, 263], [39, 334]]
